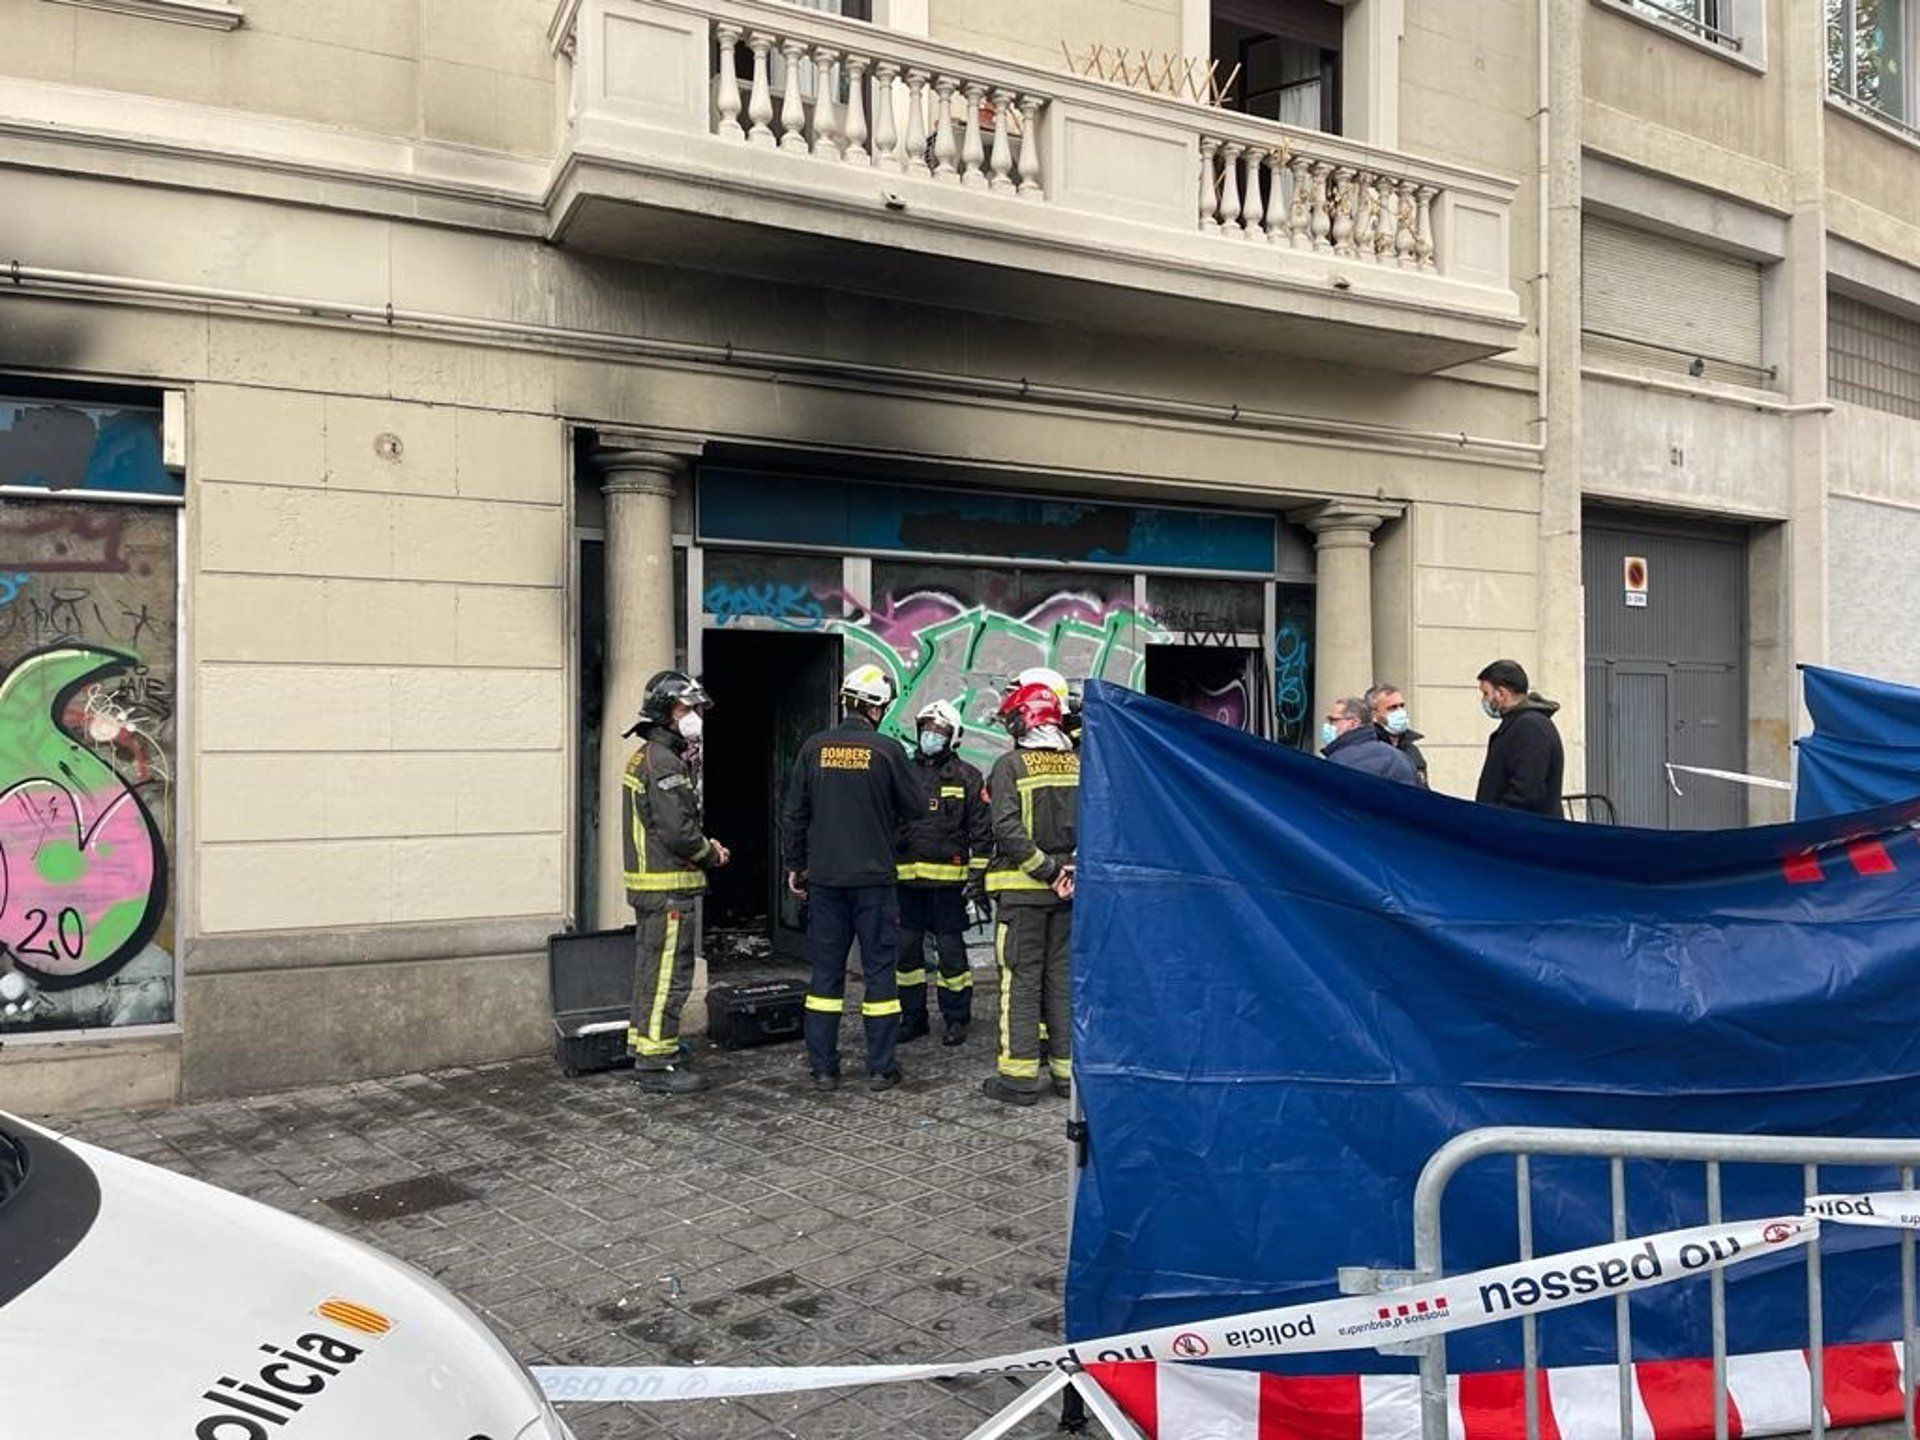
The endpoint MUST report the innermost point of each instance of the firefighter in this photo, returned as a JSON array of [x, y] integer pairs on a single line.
[[850, 791], [1069, 696], [1034, 797], [944, 849], [667, 857]]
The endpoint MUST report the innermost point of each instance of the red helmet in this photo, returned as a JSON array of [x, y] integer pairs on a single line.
[[1028, 707]]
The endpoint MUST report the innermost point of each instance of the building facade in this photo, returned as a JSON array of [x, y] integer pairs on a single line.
[[388, 387]]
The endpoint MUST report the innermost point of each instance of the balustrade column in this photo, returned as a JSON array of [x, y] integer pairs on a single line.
[[793, 110], [1253, 209], [856, 135], [826, 143], [973, 152], [1342, 208], [1209, 185], [760, 102], [1032, 181], [1230, 186], [1300, 205], [913, 144], [1423, 250], [728, 100], [1322, 220], [944, 149], [886, 139], [1001, 165]]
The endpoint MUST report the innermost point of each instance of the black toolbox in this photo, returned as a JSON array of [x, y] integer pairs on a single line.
[[591, 973], [756, 1012]]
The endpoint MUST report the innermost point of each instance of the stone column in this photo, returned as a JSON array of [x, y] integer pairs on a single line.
[[1343, 596], [638, 475]]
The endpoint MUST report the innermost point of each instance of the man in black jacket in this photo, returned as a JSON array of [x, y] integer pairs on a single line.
[[839, 830], [1389, 709], [944, 848], [1524, 758]]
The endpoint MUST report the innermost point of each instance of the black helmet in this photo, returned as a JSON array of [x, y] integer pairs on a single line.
[[664, 691]]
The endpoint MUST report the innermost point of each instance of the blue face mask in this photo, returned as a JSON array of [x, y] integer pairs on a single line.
[[932, 743], [1397, 722], [1490, 710], [1327, 734]]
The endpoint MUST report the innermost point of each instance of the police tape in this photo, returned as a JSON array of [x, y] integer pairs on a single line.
[[1357, 1322]]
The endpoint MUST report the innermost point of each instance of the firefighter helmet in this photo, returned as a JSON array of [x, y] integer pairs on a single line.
[[1030, 707], [943, 714], [867, 685], [665, 690], [1041, 675]]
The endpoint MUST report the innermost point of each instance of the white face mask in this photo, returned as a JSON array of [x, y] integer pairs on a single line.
[[690, 725]]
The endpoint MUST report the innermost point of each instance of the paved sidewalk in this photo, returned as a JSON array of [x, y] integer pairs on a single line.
[[760, 1223]]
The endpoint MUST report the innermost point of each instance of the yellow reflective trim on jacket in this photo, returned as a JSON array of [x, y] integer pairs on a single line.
[[826, 1004], [979, 862], [1034, 861], [953, 792], [666, 882], [873, 1009], [929, 870], [998, 880]]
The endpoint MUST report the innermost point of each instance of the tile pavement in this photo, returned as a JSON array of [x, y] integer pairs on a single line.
[[759, 1223]]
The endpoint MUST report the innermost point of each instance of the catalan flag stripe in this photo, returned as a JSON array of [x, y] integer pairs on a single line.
[[354, 1317]]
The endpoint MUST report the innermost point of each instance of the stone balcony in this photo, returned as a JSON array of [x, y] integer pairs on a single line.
[[759, 138]]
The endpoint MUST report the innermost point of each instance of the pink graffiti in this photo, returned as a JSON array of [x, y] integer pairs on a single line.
[[67, 860], [897, 620]]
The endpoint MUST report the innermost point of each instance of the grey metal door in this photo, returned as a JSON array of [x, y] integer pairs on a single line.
[[1666, 679]]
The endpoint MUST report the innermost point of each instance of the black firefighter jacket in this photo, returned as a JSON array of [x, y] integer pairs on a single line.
[[1035, 799], [850, 790], [949, 837], [663, 846]]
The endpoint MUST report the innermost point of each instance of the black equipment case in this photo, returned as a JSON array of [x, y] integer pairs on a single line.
[[758, 1012], [592, 978]]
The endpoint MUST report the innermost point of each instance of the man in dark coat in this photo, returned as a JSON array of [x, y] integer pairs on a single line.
[[1389, 707], [1524, 760], [1348, 737]]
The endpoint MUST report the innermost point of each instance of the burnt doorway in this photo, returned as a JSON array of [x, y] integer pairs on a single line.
[[1221, 682], [771, 690]]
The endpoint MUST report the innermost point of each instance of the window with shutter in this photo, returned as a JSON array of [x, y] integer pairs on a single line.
[[1660, 302]]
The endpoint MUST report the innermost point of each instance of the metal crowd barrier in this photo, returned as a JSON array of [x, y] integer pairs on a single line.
[[1618, 1147]]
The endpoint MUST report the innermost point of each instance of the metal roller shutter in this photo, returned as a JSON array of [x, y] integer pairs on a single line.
[[1662, 302]]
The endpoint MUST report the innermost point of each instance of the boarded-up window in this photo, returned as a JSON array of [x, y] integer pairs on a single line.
[[1656, 301], [1873, 357]]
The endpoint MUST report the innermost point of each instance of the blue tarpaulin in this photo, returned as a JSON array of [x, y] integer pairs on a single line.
[[1293, 983], [1865, 745]]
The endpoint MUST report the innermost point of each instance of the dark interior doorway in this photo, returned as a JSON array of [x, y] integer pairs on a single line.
[[1221, 682], [770, 691]]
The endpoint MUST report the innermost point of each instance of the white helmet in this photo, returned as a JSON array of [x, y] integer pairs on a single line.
[[867, 685], [1042, 675], [943, 714]]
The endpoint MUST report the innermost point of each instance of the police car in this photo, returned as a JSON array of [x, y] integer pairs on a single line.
[[138, 1303]]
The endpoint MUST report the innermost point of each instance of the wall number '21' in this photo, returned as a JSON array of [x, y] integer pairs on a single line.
[[68, 931]]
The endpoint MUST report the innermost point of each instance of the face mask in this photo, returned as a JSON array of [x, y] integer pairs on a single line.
[[1327, 734], [932, 742], [690, 725], [1397, 722], [1490, 710]]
